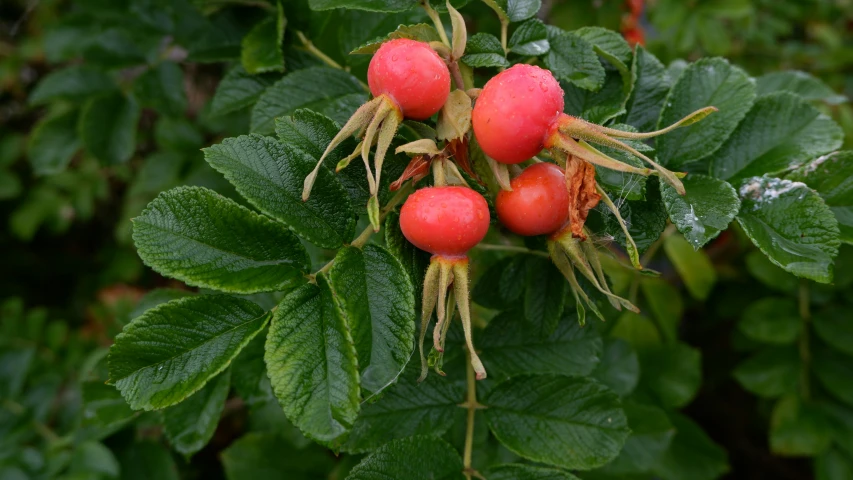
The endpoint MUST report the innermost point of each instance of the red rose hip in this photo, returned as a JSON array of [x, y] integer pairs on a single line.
[[514, 112], [412, 74], [445, 221], [538, 203]]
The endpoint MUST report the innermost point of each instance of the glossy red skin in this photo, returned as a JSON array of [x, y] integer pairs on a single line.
[[445, 221], [514, 110], [538, 203], [412, 74]]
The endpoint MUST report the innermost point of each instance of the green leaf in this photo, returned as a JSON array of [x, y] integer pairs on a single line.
[[799, 429], [190, 424], [673, 373], [379, 302], [238, 89], [508, 348], [665, 304], [803, 84], [415, 458], [569, 422], [201, 238], [791, 224], [519, 471], [103, 406], [261, 47], [108, 127], [638, 330], [53, 143], [95, 459], [572, 59], [597, 106], [414, 260], [693, 266], [270, 175], [249, 374], [544, 296], [484, 50], [264, 456], [771, 320], [530, 39], [708, 82], [830, 175], [312, 362], [172, 350], [833, 370], [834, 327], [619, 368], [162, 89], [833, 465], [144, 460], [691, 454], [708, 208], [771, 372], [76, 83], [156, 297], [761, 268], [420, 32], [651, 434], [780, 132], [369, 5], [332, 92], [406, 409], [610, 45], [518, 10], [650, 91]]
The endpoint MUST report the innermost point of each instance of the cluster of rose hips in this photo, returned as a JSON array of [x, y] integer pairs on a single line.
[[517, 115]]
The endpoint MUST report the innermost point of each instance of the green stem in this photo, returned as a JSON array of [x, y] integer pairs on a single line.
[[312, 49], [805, 353], [436, 20], [504, 28], [471, 405]]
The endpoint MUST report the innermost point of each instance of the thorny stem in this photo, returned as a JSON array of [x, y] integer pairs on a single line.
[[805, 354], [510, 248], [312, 49], [365, 235], [436, 20]]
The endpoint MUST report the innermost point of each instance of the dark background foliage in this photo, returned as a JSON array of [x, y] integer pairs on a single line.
[[72, 278]]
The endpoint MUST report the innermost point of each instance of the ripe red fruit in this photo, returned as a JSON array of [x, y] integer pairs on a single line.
[[514, 112], [412, 74], [445, 221], [538, 203]]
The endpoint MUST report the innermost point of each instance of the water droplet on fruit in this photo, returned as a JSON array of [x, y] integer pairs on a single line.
[[393, 58], [543, 87], [436, 76]]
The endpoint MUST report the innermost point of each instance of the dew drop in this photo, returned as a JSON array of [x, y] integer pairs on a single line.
[[393, 58]]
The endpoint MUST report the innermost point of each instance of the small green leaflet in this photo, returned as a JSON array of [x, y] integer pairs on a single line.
[[831, 176], [415, 458], [76, 83], [708, 82], [162, 88], [108, 127], [199, 237], [650, 91], [572, 59], [791, 224], [270, 175], [771, 372], [238, 89], [772, 320], [530, 38], [312, 363], [420, 32], [570, 422], [379, 301], [171, 351], [691, 453], [268, 456], [370, 5], [261, 47], [190, 424], [53, 143], [519, 471], [484, 50], [708, 208], [803, 84], [779, 133], [325, 90]]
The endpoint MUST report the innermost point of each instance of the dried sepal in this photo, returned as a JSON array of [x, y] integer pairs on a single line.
[[454, 118], [460, 33], [583, 195], [633, 251], [424, 146]]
